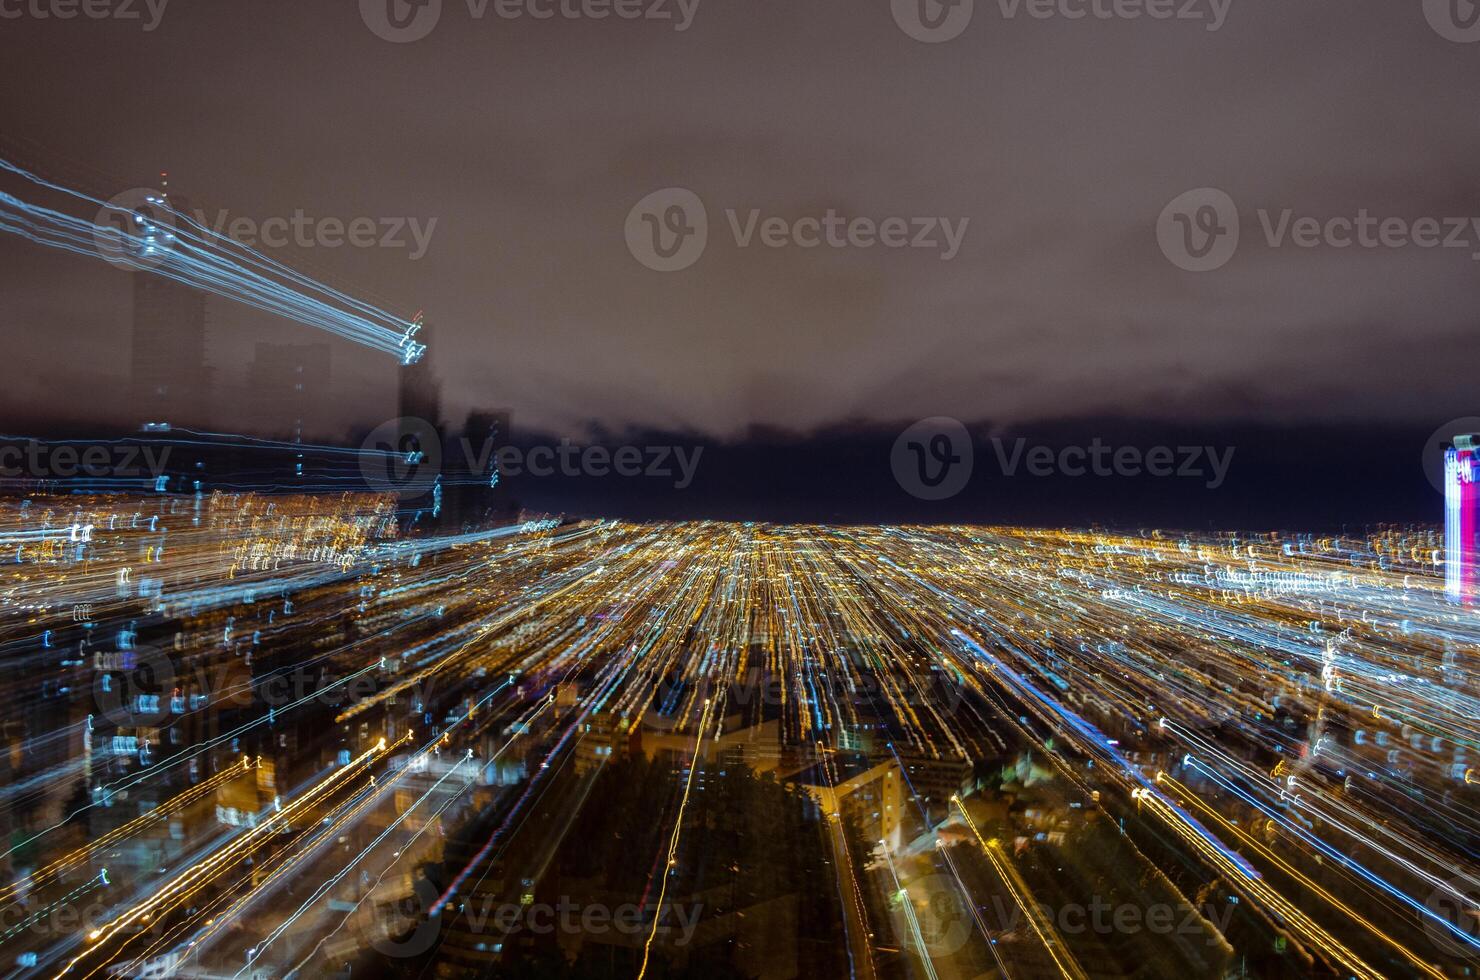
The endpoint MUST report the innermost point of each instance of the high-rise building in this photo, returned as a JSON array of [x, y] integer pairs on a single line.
[[170, 380], [484, 429], [475, 492], [1461, 497], [420, 391], [420, 400], [484, 434], [286, 382]]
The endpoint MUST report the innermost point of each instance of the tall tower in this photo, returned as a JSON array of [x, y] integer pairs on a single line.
[[171, 382], [420, 398], [1461, 497], [420, 393]]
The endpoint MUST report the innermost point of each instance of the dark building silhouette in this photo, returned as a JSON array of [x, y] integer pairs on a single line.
[[475, 494], [170, 379], [419, 389]]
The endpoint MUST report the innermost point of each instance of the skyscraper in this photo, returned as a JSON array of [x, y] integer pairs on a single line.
[[484, 433], [420, 392], [478, 492], [1461, 483], [170, 380], [420, 399]]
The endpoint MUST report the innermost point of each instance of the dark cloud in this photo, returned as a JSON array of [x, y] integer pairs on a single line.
[[530, 141]]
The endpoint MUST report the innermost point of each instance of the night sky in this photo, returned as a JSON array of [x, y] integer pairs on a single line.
[[530, 141]]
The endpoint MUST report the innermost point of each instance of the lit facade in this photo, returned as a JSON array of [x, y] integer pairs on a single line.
[[1461, 495]]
